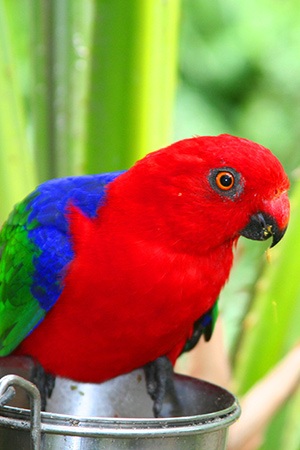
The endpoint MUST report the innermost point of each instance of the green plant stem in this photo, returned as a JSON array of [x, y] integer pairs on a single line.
[[132, 81], [59, 49], [17, 174]]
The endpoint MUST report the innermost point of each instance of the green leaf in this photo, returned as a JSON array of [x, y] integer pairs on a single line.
[[132, 81]]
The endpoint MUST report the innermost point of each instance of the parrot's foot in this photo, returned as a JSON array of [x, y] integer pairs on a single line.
[[45, 383], [159, 381]]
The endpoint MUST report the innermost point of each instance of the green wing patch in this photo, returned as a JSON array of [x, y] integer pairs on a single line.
[[19, 310]]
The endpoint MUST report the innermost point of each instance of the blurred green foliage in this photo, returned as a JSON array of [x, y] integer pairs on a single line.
[[86, 86], [239, 73]]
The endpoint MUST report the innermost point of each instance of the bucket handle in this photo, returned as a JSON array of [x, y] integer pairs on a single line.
[[7, 392]]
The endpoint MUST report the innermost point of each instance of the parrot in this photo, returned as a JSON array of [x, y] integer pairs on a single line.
[[103, 274]]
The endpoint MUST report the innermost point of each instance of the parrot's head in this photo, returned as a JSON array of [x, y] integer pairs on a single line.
[[208, 191], [248, 187]]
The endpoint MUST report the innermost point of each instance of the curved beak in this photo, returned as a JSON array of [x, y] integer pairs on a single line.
[[272, 222]]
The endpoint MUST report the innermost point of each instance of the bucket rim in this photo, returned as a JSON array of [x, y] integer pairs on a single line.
[[71, 425], [130, 427]]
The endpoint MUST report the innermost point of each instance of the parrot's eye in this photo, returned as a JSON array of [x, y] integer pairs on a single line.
[[225, 180]]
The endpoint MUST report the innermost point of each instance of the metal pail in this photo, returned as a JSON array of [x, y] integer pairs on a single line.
[[115, 415]]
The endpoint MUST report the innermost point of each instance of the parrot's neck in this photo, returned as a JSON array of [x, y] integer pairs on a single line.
[[145, 224]]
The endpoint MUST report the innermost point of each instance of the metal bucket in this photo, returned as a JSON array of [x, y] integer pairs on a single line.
[[113, 415]]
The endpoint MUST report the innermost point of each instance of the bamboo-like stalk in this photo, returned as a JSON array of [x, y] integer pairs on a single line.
[[50, 45], [60, 43], [17, 174], [133, 70], [124, 108], [81, 42], [59, 29], [40, 59]]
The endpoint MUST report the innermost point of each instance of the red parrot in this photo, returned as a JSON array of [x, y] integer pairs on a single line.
[[104, 274]]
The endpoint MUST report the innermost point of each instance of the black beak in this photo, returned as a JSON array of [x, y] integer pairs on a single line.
[[262, 226]]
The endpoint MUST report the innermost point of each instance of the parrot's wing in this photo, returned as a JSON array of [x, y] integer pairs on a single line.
[[209, 321], [35, 250], [204, 326]]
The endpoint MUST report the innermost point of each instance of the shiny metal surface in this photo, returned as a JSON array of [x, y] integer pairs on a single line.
[[118, 415], [7, 390]]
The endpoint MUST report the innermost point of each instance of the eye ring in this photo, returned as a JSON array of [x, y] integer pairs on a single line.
[[225, 180]]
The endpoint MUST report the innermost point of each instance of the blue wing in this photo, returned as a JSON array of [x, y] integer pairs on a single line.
[[35, 249], [48, 228]]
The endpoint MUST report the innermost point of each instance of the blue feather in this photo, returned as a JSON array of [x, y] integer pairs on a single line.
[[48, 228]]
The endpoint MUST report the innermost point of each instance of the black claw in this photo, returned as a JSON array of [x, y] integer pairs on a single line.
[[203, 326], [159, 381], [194, 339], [45, 383]]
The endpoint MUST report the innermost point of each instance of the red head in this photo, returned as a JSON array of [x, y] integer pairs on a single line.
[[207, 191]]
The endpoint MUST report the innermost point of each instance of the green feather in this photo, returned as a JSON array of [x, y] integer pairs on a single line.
[[19, 310]]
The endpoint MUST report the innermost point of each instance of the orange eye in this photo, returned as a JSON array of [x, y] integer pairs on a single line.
[[225, 180]]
